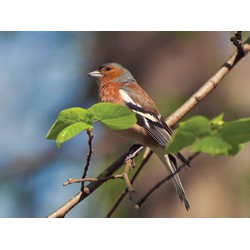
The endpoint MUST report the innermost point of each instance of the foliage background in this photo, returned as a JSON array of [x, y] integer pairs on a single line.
[[45, 72]]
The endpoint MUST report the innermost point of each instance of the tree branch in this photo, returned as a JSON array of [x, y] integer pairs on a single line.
[[209, 85], [197, 97]]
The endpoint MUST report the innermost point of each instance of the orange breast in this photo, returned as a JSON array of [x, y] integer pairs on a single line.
[[109, 92]]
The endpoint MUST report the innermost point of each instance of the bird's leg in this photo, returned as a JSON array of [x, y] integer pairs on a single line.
[[134, 151], [131, 191], [129, 163]]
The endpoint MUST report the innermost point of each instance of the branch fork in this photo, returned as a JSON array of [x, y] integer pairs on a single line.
[[129, 164]]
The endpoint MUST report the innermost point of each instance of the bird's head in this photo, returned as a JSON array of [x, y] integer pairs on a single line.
[[112, 72]]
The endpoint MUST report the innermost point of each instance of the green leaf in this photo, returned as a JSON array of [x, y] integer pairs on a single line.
[[66, 118], [72, 121], [70, 131], [113, 116], [180, 140], [211, 145], [236, 132], [188, 132], [197, 125], [235, 148], [217, 120]]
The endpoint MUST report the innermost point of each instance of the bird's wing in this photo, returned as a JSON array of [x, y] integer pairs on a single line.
[[147, 115]]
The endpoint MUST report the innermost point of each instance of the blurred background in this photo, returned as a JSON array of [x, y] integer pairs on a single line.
[[42, 73]]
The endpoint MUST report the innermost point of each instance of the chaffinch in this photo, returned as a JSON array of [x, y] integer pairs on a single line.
[[117, 85]]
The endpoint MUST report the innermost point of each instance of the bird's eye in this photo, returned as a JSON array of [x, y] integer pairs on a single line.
[[108, 68]]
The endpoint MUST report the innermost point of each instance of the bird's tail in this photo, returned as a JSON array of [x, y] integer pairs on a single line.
[[171, 167]]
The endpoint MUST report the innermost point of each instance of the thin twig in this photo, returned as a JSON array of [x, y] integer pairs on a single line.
[[125, 191], [237, 41], [144, 198], [128, 165], [70, 181], [91, 136]]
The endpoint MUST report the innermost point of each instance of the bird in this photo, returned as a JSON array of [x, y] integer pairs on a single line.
[[117, 85]]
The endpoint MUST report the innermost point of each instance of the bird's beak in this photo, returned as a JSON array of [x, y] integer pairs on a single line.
[[95, 73]]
